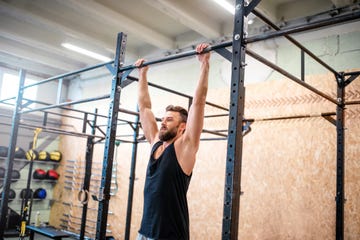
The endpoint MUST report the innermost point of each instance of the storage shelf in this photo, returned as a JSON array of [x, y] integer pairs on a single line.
[[35, 161]]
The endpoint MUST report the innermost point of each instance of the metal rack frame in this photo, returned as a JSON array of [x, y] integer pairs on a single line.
[[22, 107], [234, 157], [232, 189]]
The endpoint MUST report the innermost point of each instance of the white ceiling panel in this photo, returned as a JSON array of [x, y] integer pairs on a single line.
[[32, 31]]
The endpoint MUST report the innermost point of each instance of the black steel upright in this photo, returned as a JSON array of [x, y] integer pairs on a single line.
[[88, 167], [235, 139], [132, 179], [104, 191], [11, 153], [340, 165]]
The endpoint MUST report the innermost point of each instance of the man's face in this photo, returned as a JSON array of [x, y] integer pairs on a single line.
[[169, 126]]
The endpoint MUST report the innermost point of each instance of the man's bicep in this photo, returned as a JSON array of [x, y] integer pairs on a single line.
[[149, 125], [195, 124]]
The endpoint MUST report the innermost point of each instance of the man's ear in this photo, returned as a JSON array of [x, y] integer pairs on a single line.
[[182, 127]]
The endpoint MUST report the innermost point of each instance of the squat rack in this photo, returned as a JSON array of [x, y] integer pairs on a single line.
[[233, 165], [22, 106], [234, 155]]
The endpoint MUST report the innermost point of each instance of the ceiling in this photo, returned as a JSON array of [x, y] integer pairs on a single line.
[[32, 31]]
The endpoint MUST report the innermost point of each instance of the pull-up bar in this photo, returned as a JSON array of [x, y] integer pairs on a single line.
[[309, 26], [179, 55], [69, 74]]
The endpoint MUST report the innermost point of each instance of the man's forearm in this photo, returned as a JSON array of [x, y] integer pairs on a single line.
[[144, 100], [202, 87]]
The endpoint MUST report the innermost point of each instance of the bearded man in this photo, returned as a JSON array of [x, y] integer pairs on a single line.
[[172, 158]]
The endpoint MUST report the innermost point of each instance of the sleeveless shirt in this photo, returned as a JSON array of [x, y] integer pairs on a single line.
[[165, 214]]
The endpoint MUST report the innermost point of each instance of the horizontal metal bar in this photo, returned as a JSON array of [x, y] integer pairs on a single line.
[[352, 73], [7, 99], [178, 56], [69, 116], [126, 122], [221, 130], [57, 123], [57, 114], [326, 114], [69, 74], [124, 141], [290, 76], [296, 43], [352, 102], [213, 139], [123, 110], [11, 104], [305, 27], [68, 103], [80, 111], [70, 109], [53, 130], [216, 115], [214, 132]]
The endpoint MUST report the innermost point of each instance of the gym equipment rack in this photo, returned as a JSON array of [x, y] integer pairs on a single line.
[[232, 189]]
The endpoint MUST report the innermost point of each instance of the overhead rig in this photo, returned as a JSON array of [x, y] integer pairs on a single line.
[[235, 115]]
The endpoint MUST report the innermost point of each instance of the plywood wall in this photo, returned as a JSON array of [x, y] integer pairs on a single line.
[[288, 169]]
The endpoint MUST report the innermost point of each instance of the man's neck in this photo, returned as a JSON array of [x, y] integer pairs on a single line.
[[169, 142]]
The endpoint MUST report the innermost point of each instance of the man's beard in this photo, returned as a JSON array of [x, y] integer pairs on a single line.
[[167, 135]]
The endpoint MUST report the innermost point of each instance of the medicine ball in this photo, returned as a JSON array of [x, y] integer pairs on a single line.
[[52, 174], [55, 156], [2, 172], [39, 174], [40, 193], [12, 195], [3, 151], [44, 156], [32, 155], [23, 193], [19, 152], [15, 175]]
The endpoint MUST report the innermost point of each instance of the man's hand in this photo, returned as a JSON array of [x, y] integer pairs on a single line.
[[204, 57], [142, 69]]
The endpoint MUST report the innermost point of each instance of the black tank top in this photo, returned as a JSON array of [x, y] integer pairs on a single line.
[[165, 214]]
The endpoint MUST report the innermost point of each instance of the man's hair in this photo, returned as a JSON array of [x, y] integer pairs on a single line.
[[182, 111]]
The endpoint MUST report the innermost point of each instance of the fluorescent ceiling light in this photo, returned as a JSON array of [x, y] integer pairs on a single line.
[[86, 52], [227, 6]]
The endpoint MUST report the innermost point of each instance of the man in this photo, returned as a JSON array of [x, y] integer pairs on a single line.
[[172, 158]]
